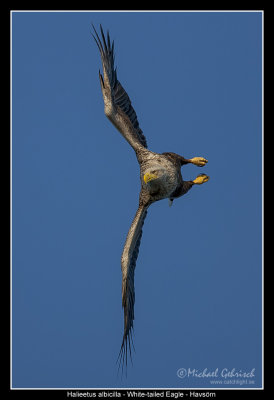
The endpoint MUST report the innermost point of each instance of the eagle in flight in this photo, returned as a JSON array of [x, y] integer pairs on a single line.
[[160, 176]]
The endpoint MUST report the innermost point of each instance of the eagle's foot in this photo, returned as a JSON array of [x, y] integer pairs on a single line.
[[199, 161], [201, 178]]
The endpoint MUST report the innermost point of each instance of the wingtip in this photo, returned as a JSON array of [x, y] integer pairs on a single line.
[[122, 358], [97, 39], [103, 37], [94, 29]]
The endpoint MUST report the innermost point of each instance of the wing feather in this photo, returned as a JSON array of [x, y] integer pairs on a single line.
[[128, 264], [118, 107]]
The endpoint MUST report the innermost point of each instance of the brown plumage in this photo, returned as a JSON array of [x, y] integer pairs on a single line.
[[160, 176]]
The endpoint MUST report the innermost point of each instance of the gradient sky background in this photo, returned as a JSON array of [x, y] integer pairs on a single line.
[[195, 81]]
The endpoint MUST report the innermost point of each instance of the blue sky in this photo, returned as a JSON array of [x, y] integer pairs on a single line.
[[195, 81]]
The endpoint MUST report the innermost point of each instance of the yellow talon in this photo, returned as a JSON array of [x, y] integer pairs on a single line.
[[199, 161], [201, 179]]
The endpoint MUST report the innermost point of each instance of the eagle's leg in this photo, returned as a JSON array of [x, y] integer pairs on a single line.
[[201, 178], [187, 185]]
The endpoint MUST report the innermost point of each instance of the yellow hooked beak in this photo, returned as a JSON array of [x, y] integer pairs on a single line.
[[149, 177]]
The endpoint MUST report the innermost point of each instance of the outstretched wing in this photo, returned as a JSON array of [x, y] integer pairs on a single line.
[[128, 263], [118, 106]]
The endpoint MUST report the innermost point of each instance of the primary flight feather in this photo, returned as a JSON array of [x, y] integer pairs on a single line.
[[160, 176]]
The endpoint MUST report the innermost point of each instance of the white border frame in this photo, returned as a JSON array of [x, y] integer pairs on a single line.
[[152, 389]]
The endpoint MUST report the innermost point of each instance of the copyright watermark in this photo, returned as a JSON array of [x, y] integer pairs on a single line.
[[219, 376]]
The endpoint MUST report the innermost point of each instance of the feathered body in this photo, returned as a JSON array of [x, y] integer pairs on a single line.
[[160, 176]]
